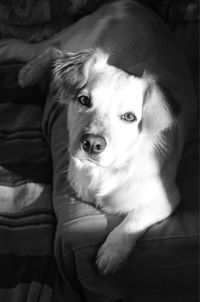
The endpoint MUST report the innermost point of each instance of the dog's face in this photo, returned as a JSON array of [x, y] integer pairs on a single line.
[[104, 117], [107, 111]]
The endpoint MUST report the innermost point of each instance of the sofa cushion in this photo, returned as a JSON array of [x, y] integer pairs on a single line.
[[164, 263]]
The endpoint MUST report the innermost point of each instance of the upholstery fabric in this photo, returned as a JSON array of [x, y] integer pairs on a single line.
[[27, 221]]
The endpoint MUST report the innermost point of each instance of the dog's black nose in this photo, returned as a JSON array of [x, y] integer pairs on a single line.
[[93, 144]]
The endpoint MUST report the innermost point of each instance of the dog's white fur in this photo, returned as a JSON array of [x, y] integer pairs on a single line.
[[135, 174], [131, 155]]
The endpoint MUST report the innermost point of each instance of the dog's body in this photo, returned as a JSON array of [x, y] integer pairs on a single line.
[[130, 103]]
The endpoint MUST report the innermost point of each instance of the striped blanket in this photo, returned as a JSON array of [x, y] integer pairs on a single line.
[[27, 224]]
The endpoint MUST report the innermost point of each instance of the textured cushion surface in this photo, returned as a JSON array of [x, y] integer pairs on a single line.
[[27, 221]]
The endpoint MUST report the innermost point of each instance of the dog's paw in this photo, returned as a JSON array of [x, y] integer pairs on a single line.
[[113, 253], [29, 74]]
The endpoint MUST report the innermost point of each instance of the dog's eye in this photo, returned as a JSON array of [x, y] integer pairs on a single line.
[[128, 117], [84, 100]]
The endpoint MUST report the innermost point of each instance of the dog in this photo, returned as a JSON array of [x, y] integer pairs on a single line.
[[130, 109]]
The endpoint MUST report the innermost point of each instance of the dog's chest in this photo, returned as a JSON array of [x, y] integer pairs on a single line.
[[85, 181], [106, 190]]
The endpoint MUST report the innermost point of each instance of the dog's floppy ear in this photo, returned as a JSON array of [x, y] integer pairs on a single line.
[[68, 68], [73, 68], [158, 112]]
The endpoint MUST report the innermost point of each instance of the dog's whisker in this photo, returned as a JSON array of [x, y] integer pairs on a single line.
[[64, 171]]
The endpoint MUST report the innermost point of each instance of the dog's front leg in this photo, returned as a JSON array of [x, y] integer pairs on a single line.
[[123, 238]]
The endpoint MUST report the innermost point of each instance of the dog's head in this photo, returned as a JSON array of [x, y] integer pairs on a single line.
[[110, 112]]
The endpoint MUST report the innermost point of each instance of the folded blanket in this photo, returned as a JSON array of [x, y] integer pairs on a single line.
[[38, 20], [27, 268]]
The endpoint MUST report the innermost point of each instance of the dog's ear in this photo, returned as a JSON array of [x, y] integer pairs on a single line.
[[72, 69], [160, 108], [69, 68]]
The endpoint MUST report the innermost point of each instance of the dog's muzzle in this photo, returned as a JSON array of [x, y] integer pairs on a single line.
[[93, 144]]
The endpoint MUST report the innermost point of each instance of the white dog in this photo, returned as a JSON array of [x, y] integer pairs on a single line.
[[124, 144], [130, 104]]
